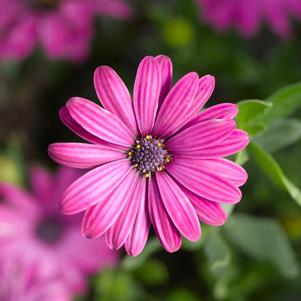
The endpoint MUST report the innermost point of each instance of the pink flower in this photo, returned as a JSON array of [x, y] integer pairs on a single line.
[[247, 16], [21, 282], [33, 232], [156, 159], [63, 28]]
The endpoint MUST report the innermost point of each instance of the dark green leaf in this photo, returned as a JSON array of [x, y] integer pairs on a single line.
[[272, 170], [263, 239]]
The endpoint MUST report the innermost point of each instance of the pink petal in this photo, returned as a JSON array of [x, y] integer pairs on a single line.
[[178, 207], [166, 231], [166, 74], [94, 187], [99, 122], [99, 218], [221, 111], [83, 155], [137, 239], [75, 127], [114, 95], [236, 142], [147, 90], [41, 183], [19, 198], [203, 182], [176, 105], [201, 135], [225, 168], [119, 232], [205, 89], [208, 212]]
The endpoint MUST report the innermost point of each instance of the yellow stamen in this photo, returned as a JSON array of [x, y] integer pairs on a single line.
[[159, 144], [148, 137], [147, 175], [130, 154], [136, 165], [138, 146], [160, 168]]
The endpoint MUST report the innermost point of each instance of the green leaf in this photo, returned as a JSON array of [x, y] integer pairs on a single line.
[[248, 111], [280, 134], [263, 239], [285, 102], [242, 157], [218, 252], [219, 257], [272, 170]]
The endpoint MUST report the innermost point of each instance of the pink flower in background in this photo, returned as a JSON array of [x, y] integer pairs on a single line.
[[21, 282], [33, 232], [156, 159], [247, 16], [63, 28]]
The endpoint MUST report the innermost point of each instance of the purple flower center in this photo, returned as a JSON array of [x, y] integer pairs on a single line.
[[43, 4], [50, 229], [148, 155]]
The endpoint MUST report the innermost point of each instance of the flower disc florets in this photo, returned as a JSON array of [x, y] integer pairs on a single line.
[[149, 154]]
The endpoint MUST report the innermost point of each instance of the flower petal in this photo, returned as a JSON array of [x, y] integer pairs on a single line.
[[139, 234], [225, 168], [166, 74], [165, 229], [208, 212], [19, 198], [119, 232], [75, 127], [201, 135], [94, 187], [114, 95], [99, 122], [176, 105], [203, 182], [42, 183], [99, 218], [83, 155], [147, 90], [236, 142], [178, 207], [220, 111], [205, 89]]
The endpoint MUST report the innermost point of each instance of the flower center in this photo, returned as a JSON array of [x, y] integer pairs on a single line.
[[148, 155], [43, 4], [50, 230]]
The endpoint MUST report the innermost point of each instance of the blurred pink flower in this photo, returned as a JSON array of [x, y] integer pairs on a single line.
[[32, 231], [157, 159], [19, 282], [63, 28], [247, 16]]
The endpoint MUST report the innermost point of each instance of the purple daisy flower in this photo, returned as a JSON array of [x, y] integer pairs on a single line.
[[156, 159], [62, 27], [33, 232]]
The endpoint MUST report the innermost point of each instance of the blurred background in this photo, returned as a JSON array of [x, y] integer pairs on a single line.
[[257, 253]]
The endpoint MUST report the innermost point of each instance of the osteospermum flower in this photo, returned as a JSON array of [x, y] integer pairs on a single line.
[[32, 231], [247, 16], [62, 27], [156, 159], [20, 282]]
